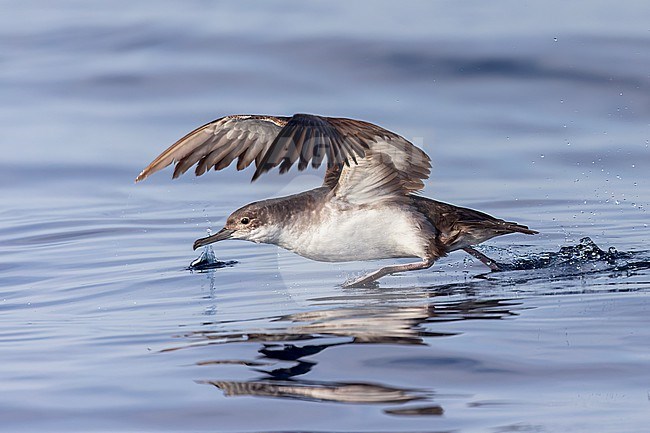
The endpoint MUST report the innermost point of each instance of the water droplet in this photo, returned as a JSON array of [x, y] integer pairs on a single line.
[[554, 39]]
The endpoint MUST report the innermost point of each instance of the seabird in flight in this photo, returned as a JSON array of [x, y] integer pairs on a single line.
[[367, 207]]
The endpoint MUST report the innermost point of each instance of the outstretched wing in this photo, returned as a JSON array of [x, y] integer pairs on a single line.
[[268, 140], [218, 143], [271, 141]]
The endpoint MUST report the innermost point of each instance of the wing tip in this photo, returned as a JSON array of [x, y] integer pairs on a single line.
[[257, 174], [142, 176]]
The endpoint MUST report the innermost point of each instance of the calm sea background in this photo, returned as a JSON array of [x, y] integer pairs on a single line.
[[537, 112]]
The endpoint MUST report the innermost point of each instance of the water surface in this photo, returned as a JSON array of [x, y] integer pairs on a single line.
[[541, 119]]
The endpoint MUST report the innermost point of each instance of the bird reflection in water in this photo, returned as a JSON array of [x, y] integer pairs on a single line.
[[340, 392], [294, 337]]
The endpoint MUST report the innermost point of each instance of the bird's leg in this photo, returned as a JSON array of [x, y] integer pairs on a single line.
[[483, 258], [372, 276]]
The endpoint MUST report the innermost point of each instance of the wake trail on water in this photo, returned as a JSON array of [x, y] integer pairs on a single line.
[[585, 257]]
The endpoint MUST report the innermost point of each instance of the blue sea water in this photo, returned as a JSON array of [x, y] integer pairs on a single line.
[[533, 112]]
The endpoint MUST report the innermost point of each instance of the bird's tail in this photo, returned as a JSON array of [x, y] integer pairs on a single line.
[[460, 227]]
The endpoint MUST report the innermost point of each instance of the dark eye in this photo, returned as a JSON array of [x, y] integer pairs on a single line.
[[245, 220]]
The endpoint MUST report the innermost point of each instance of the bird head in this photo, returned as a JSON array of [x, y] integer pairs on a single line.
[[248, 223]]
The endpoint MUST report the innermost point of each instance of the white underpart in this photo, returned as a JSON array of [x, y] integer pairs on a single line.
[[363, 233]]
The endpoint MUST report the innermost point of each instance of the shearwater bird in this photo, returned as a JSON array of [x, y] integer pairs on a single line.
[[366, 208]]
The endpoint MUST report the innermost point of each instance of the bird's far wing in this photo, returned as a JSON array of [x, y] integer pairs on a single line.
[[216, 144], [412, 163], [392, 169]]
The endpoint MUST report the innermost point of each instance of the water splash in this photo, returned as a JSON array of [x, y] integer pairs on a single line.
[[584, 257], [208, 260]]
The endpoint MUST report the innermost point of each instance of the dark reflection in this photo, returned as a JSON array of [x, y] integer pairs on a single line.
[[300, 368], [340, 392], [419, 410], [233, 362], [290, 352]]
